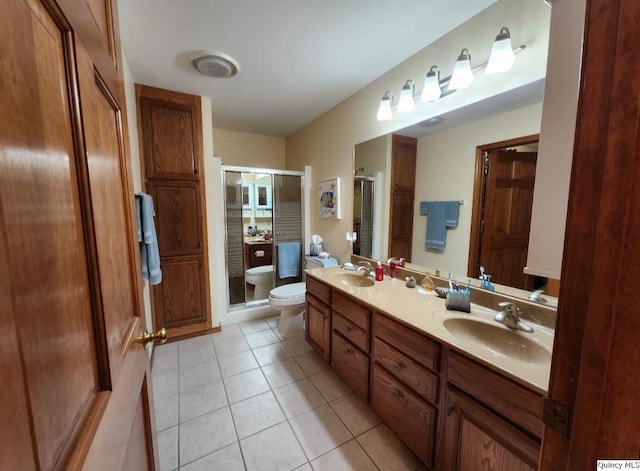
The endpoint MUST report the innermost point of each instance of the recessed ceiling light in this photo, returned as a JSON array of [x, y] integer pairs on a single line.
[[434, 121], [216, 64]]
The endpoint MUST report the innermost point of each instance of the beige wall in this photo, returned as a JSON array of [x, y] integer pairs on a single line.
[[249, 150], [445, 171], [327, 142], [132, 121]]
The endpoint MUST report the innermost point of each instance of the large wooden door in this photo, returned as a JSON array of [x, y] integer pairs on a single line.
[[75, 374], [170, 126], [506, 216], [403, 179]]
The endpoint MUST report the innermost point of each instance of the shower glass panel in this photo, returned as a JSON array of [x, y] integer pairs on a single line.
[[287, 222], [363, 192], [233, 209]]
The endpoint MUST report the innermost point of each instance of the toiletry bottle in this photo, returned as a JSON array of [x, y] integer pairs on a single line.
[[379, 271], [392, 267], [427, 283]]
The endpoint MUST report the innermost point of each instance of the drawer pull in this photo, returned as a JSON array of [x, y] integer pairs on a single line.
[[450, 410], [398, 366], [347, 328], [347, 350], [396, 393]]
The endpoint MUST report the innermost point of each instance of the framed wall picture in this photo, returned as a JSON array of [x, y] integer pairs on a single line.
[[329, 198]]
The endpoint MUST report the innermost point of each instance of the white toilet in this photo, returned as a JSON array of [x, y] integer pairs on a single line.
[[290, 301], [261, 278]]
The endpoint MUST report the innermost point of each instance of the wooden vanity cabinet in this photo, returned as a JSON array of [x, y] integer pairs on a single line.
[[350, 342], [490, 421], [318, 317], [404, 384]]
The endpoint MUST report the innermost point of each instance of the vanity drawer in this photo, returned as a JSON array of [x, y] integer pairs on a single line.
[[351, 310], [408, 415], [351, 364], [319, 290], [421, 380], [356, 335], [408, 341]]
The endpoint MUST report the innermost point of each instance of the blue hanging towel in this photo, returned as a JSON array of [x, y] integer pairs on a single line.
[[441, 214], [149, 252], [289, 259]]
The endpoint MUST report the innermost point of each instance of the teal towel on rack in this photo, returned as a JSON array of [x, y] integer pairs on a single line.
[[440, 215], [289, 259], [149, 252]]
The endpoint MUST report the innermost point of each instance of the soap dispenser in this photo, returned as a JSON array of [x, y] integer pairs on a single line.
[[379, 271], [427, 283]]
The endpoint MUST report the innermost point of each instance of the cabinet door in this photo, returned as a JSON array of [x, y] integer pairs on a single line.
[[171, 132], [178, 217], [351, 364], [179, 299], [476, 438], [411, 418], [318, 324]]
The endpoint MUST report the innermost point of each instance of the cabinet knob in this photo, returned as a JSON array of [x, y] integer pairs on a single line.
[[450, 410], [398, 366], [396, 393]]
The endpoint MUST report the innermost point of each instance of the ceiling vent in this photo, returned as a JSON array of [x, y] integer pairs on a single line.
[[216, 64]]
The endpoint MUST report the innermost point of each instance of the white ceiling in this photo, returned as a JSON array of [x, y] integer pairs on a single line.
[[298, 58]]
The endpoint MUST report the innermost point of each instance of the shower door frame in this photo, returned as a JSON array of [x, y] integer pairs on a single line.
[[258, 170]]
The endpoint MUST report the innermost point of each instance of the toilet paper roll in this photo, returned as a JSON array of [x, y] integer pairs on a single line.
[[259, 253]]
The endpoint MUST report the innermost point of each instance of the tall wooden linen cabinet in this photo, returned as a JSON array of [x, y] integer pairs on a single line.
[[170, 125]]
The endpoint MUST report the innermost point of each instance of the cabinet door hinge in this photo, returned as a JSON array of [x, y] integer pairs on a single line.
[[486, 163], [556, 416]]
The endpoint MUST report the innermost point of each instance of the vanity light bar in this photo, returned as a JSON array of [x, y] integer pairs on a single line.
[[444, 87]]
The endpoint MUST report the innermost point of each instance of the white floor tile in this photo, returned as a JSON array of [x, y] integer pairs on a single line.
[[387, 451], [231, 345], [347, 457], [283, 372], [168, 449], [227, 459], [319, 431], [199, 375], [166, 411], [273, 449], [312, 363], [237, 363], [260, 339], [330, 385], [196, 354], [256, 414], [165, 385], [245, 385], [206, 434], [298, 398], [271, 353], [355, 414], [297, 345], [253, 326], [202, 400]]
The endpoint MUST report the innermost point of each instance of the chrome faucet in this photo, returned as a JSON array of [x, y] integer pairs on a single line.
[[536, 296], [511, 318], [365, 267]]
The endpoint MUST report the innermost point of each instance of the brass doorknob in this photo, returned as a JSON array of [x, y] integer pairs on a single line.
[[160, 335]]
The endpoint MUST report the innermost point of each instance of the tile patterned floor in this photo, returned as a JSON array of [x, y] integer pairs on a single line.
[[246, 399]]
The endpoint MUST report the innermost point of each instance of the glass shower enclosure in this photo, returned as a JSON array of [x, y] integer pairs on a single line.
[[263, 209]]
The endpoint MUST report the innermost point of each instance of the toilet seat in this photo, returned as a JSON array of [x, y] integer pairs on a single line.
[[261, 270], [290, 291]]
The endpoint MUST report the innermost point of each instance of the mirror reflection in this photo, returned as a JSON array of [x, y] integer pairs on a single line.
[[482, 160], [262, 211]]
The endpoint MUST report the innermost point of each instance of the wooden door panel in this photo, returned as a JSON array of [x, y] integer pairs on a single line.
[[41, 221], [179, 298], [507, 217], [170, 139], [177, 217], [404, 162], [106, 164]]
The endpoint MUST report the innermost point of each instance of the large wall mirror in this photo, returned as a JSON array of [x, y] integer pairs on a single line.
[[447, 168]]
